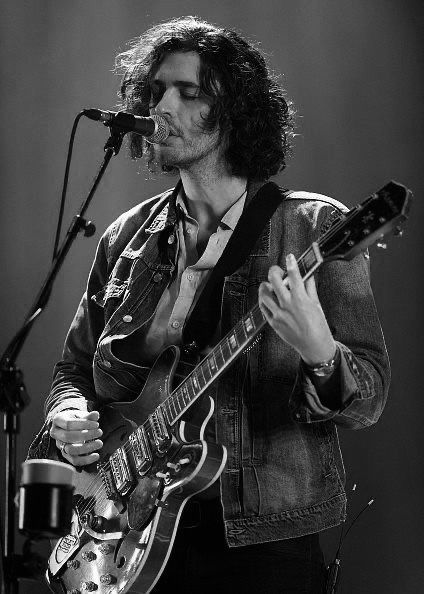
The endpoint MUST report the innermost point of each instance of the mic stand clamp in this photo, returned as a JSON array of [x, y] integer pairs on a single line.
[[14, 397]]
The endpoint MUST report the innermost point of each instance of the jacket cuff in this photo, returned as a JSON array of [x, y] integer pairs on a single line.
[[306, 404], [71, 403]]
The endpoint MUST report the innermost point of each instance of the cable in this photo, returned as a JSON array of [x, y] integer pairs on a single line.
[[65, 182], [333, 576]]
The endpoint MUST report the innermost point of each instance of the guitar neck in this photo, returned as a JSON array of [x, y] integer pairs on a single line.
[[227, 350]]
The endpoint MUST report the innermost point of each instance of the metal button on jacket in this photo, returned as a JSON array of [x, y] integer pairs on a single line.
[[127, 318]]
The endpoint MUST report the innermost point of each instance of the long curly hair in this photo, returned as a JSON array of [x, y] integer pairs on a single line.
[[249, 106]]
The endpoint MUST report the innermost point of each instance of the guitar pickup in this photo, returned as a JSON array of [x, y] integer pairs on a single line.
[[107, 480], [161, 435], [141, 451], [121, 471]]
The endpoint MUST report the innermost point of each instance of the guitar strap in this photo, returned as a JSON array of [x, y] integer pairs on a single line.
[[206, 313]]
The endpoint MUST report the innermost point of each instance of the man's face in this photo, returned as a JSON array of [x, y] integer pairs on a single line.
[[176, 95]]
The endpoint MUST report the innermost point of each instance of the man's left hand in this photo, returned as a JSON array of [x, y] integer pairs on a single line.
[[292, 308]]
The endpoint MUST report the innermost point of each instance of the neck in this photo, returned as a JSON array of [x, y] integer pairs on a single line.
[[210, 193]]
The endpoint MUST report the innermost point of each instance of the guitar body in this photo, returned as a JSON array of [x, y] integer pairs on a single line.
[[121, 541]]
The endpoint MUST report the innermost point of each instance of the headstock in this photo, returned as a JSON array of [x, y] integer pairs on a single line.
[[366, 223]]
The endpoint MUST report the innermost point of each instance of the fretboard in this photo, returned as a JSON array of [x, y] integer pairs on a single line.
[[227, 350]]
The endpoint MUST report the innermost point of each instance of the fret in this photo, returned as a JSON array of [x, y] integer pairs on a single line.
[[226, 350], [302, 267], [233, 343], [310, 260], [219, 359], [248, 325], [206, 371], [165, 411], [209, 363], [201, 377], [172, 402], [307, 261], [169, 414], [166, 408], [195, 382], [212, 363], [177, 403], [191, 390], [186, 394], [240, 331]]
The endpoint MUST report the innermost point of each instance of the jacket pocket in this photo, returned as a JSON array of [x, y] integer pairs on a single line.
[[114, 289]]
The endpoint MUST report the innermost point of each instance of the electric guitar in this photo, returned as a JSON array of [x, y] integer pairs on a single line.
[[127, 508]]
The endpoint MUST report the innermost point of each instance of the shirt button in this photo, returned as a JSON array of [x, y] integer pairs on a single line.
[[157, 278], [189, 231], [127, 318], [107, 364], [175, 324], [171, 239], [190, 276]]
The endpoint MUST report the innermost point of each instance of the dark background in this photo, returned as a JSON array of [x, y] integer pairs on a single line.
[[354, 71]]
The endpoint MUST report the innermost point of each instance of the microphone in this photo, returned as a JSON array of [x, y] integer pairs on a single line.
[[154, 128]]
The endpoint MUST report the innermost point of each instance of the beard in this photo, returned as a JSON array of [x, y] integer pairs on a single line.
[[186, 154]]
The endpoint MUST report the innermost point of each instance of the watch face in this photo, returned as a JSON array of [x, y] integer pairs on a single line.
[[324, 369]]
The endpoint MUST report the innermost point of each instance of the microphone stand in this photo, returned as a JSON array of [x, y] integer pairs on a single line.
[[14, 397]]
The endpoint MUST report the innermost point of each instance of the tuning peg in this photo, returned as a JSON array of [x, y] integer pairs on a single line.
[[382, 245], [398, 232]]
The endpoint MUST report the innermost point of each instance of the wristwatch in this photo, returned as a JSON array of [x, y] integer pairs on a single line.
[[325, 368]]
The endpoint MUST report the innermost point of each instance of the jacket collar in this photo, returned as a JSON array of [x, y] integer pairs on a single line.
[[167, 216]]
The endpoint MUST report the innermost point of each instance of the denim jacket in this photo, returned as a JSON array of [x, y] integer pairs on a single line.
[[284, 475]]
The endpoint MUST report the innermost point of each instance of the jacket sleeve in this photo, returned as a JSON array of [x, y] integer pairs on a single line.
[[363, 375], [73, 386]]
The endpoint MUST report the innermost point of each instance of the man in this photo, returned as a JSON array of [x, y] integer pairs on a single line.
[[320, 362]]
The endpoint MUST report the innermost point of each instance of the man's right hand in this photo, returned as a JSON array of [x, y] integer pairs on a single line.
[[77, 436]]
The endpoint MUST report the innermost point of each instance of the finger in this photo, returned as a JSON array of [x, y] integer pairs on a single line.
[[75, 436], [76, 420], [311, 288], [294, 276], [60, 445], [81, 449], [82, 460], [279, 284], [267, 303], [267, 297]]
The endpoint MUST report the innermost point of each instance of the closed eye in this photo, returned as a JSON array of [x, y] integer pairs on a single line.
[[189, 97]]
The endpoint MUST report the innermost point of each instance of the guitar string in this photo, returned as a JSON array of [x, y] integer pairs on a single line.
[[127, 447], [178, 393]]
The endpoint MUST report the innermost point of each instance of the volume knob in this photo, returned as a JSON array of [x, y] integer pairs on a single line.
[[106, 548], [107, 579], [88, 556], [89, 586]]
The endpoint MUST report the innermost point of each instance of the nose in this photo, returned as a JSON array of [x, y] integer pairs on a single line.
[[168, 102]]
